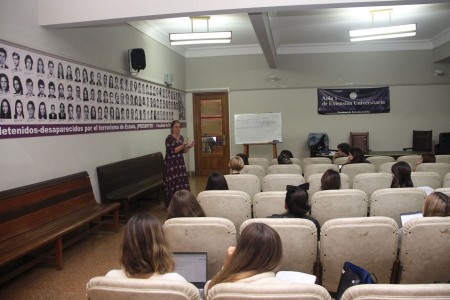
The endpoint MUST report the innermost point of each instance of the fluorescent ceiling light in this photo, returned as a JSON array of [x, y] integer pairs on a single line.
[[191, 38], [205, 37], [382, 33]]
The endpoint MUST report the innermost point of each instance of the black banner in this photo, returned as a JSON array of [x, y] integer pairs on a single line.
[[353, 101]]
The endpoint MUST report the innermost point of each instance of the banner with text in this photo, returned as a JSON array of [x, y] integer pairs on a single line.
[[353, 101], [45, 95]]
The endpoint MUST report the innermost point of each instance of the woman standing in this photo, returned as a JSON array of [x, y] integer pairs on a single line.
[[175, 173]]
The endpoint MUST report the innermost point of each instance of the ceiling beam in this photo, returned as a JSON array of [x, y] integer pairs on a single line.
[[261, 24]]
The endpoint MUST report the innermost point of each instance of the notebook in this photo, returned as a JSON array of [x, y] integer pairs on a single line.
[[405, 217], [192, 266]]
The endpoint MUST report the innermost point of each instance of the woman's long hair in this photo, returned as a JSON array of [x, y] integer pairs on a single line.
[[297, 202], [144, 247], [358, 156], [184, 204], [258, 250], [402, 175], [216, 181], [331, 180], [437, 204]]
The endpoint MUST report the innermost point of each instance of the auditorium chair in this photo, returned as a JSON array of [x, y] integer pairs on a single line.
[[318, 169], [410, 159], [446, 181], [353, 169], [440, 168], [208, 234], [106, 288], [333, 204], [284, 169], [370, 182], [248, 183], [299, 239], [315, 160], [369, 242], [424, 250], [377, 161], [431, 179], [255, 170], [268, 203], [264, 162], [443, 158], [340, 160], [293, 159], [235, 206], [397, 291], [391, 202], [315, 183], [278, 182], [445, 190], [386, 167], [285, 291]]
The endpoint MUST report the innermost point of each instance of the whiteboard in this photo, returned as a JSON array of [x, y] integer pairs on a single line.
[[257, 128]]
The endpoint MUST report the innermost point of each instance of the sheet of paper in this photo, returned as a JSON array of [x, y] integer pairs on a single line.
[[409, 216]]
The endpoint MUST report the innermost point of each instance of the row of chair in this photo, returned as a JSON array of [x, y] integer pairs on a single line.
[[368, 182], [325, 205], [102, 288], [375, 160], [371, 243]]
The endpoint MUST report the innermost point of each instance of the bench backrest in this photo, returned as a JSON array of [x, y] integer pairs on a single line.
[[122, 173], [31, 206]]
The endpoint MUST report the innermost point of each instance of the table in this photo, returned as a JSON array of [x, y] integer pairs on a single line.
[[274, 148]]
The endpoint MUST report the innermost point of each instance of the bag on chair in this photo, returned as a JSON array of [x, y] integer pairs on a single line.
[[353, 275]]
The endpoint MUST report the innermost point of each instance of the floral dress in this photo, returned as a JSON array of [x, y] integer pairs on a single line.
[[175, 174]]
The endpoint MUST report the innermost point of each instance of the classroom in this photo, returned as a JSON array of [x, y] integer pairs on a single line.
[[419, 100]]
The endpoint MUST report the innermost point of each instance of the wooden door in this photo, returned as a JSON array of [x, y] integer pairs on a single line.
[[212, 151]]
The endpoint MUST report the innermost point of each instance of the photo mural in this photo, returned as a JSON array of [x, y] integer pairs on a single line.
[[43, 95]]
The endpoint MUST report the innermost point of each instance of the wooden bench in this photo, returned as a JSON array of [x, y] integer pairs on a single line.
[[36, 220], [130, 179]]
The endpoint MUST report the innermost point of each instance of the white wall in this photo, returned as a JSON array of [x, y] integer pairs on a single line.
[[419, 100], [29, 160]]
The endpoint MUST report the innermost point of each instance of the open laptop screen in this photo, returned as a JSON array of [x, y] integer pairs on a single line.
[[192, 266]]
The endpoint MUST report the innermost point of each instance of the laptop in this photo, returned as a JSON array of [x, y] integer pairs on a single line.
[[192, 266]]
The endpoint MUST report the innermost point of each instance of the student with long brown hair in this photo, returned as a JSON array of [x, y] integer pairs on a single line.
[[184, 204], [437, 204], [255, 258], [331, 180], [401, 172], [144, 251]]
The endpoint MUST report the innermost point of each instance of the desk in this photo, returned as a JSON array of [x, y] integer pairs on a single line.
[[274, 148], [394, 154]]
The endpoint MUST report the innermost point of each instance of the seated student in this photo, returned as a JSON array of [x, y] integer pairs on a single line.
[[287, 152], [437, 204], [356, 156], [254, 259], [244, 158], [216, 181], [184, 205], [343, 150], [144, 251], [401, 175], [283, 159], [236, 165], [296, 204], [331, 180]]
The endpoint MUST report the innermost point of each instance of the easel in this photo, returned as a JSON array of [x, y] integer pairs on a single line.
[[274, 148]]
